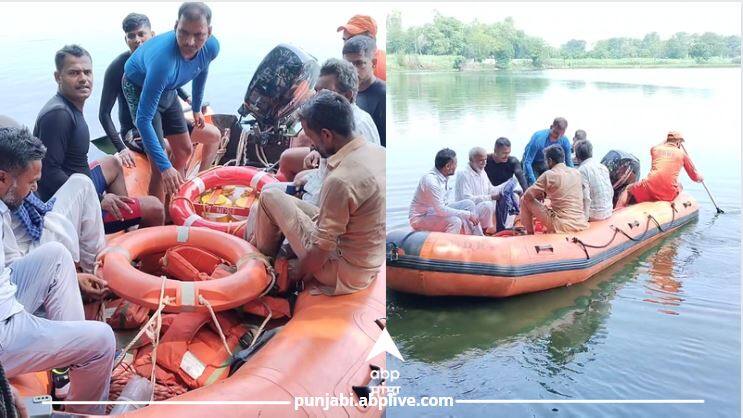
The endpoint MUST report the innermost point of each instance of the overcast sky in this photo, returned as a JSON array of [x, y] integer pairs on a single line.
[[559, 22], [292, 22]]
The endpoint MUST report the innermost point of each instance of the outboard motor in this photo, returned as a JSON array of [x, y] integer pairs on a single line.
[[624, 169], [283, 81]]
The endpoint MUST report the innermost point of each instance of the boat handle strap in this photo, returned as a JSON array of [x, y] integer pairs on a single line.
[[540, 248]]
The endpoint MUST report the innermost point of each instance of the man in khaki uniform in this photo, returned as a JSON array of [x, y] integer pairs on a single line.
[[563, 186], [341, 242]]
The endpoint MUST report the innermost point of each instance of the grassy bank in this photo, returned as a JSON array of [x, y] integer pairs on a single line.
[[404, 62]]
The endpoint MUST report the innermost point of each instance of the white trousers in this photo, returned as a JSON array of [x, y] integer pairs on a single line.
[[75, 221], [46, 277], [453, 224]]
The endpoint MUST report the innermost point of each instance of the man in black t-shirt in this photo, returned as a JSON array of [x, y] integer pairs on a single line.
[[61, 126], [372, 96], [500, 168], [137, 30], [501, 165]]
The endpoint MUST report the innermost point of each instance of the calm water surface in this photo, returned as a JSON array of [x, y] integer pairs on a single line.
[[662, 324]]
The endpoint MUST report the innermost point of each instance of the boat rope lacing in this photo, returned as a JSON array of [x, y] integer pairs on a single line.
[[208, 305], [156, 339], [164, 301], [263, 325], [584, 246]]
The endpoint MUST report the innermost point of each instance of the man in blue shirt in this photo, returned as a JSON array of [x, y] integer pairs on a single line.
[[152, 75], [533, 161]]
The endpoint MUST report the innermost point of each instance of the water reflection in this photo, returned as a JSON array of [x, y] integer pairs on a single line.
[[663, 287], [561, 322], [454, 95]]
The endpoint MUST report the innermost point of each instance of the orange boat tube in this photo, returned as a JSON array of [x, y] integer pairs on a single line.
[[249, 281], [322, 351], [441, 264], [185, 208]]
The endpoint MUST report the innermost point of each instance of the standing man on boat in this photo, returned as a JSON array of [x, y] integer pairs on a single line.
[[430, 209], [62, 128], [137, 30], [596, 179], [372, 96], [341, 243], [533, 161], [662, 184], [472, 184], [151, 76], [563, 186], [366, 26], [46, 278]]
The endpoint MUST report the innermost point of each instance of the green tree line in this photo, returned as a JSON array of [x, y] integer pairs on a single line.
[[503, 42]]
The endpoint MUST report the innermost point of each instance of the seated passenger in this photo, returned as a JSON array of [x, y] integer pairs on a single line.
[[472, 184], [580, 135], [504, 169], [563, 186], [72, 219], [45, 278], [341, 243], [338, 76], [430, 209], [662, 184], [62, 128], [596, 178]]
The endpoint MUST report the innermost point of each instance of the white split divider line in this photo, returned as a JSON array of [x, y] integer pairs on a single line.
[[458, 401], [580, 401], [167, 403]]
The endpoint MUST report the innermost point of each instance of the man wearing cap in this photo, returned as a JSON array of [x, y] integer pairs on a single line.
[[662, 184], [365, 25]]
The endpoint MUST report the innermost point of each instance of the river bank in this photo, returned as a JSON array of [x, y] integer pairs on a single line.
[[426, 63]]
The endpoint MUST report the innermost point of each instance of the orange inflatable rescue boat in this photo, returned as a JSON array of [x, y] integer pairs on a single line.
[[442, 264]]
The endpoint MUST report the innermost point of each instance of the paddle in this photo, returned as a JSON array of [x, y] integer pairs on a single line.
[[705, 188]]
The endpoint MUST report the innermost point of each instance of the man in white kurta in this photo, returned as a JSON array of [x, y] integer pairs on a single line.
[[45, 278], [431, 209], [473, 184]]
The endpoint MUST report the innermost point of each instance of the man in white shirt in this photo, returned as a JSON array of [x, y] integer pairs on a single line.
[[596, 179], [46, 278], [431, 210], [339, 76], [473, 184], [74, 219]]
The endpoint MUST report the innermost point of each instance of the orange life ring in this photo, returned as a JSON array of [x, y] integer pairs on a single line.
[[184, 207], [249, 282]]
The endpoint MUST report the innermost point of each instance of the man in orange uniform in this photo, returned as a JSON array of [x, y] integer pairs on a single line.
[[365, 25], [662, 183]]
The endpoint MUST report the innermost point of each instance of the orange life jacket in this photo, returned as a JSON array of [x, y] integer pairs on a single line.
[[118, 313], [189, 264], [190, 349]]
